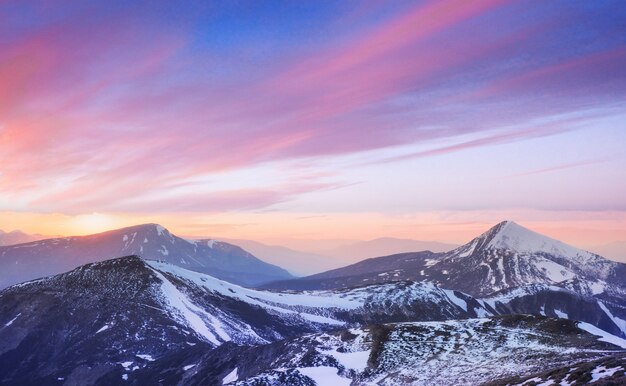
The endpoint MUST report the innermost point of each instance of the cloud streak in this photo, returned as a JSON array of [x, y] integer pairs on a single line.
[[109, 104]]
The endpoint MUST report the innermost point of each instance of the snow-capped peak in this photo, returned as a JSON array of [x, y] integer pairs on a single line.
[[514, 237]]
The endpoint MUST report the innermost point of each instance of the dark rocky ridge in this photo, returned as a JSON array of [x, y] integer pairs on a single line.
[[84, 325]]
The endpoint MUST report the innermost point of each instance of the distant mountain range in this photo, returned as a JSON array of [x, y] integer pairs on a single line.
[[32, 260], [327, 256], [383, 246], [295, 261], [17, 237], [509, 307]]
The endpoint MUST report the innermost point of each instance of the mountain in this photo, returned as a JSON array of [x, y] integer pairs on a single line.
[[509, 267], [326, 256], [32, 260], [17, 237], [106, 319], [296, 261], [403, 266], [384, 246], [506, 256], [129, 320], [466, 352], [133, 320], [509, 256]]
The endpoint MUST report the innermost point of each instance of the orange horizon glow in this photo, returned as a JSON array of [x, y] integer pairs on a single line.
[[429, 120], [583, 230]]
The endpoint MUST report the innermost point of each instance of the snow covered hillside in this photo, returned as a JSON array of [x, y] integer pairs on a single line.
[[124, 313], [504, 257], [462, 352]]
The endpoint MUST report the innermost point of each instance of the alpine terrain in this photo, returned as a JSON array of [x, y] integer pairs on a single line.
[[510, 268], [151, 241], [134, 320]]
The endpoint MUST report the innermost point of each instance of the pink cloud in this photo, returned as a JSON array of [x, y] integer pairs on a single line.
[[122, 109]]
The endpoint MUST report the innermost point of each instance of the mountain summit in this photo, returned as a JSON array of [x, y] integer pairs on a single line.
[[511, 236], [509, 255], [504, 257], [229, 262]]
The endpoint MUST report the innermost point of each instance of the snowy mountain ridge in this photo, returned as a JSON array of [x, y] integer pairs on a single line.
[[510, 236], [459, 352], [506, 256], [41, 258], [509, 255], [492, 312]]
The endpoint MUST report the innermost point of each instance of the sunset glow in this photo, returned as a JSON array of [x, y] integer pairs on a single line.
[[430, 120]]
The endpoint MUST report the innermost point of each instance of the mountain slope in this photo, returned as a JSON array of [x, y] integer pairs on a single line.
[[105, 319], [464, 352], [506, 256], [509, 269], [509, 256], [28, 261], [403, 266]]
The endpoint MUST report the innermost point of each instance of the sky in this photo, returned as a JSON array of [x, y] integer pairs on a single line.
[[272, 120]]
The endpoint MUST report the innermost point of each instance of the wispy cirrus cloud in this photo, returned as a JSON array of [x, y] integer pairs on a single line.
[[557, 168], [104, 103]]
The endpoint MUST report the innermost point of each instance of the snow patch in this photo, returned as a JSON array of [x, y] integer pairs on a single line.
[[604, 336], [321, 319], [620, 323], [103, 328], [553, 271], [597, 287], [189, 367], [356, 360], [230, 377], [10, 322], [147, 357], [126, 365], [470, 250], [160, 230], [603, 372], [265, 299], [324, 375], [455, 299], [186, 309]]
